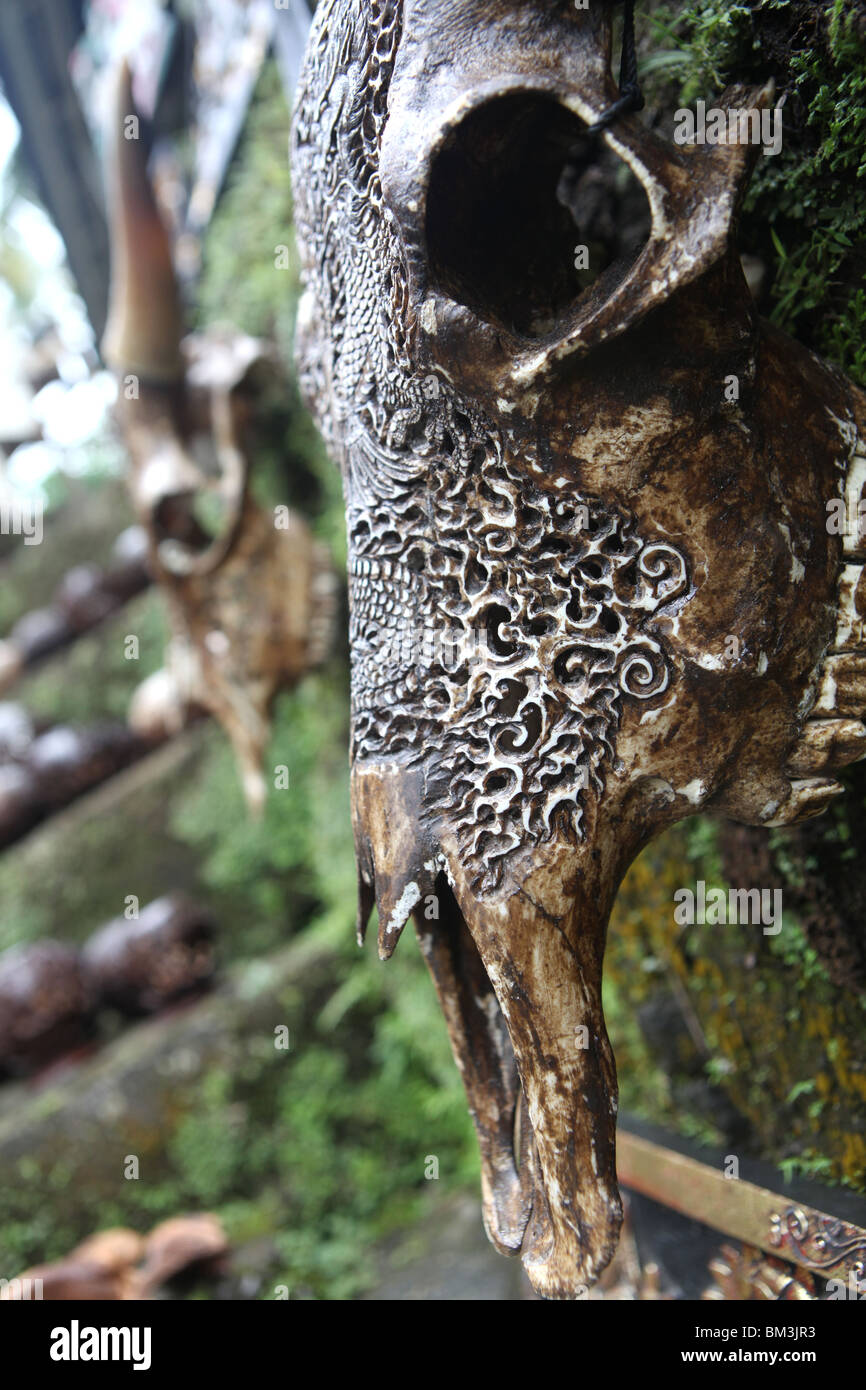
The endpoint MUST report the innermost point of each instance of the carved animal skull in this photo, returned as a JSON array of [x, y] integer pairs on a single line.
[[589, 594], [251, 593]]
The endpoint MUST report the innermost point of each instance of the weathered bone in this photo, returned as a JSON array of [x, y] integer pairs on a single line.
[[557, 471], [252, 606], [144, 327]]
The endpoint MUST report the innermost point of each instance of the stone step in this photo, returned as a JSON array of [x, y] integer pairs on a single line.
[[67, 1141], [75, 870]]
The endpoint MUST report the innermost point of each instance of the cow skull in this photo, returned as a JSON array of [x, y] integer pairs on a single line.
[[589, 594], [251, 594]]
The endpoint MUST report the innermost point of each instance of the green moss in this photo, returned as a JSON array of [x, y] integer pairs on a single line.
[[93, 679], [241, 283], [320, 1148], [251, 279], [700, 44], [80, 530], [781, 1050], [274, 874], [803, 214]]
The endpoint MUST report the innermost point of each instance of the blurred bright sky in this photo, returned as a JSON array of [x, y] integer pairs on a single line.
[[74, 409]]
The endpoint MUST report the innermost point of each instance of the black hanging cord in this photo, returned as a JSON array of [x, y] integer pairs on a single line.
[[631, 97]]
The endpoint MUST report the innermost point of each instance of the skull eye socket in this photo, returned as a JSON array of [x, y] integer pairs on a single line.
[[515, 192]]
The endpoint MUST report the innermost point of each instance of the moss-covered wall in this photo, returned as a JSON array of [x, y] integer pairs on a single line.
[[804, 213], [752, 1039]]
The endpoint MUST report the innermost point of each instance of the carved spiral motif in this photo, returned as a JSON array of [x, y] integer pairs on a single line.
[[643, 674], [665, 568], [818, 1241]]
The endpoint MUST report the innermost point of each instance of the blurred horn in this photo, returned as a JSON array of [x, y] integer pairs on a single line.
[[144, 328]]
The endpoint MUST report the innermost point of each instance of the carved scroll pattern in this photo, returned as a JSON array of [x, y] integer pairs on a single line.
[[819, 1242]]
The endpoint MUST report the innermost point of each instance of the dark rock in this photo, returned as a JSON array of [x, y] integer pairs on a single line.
[[142, 964], [19, 803], [66, 761], [447, 1258], [46, 1006], [188, 1245], [73, 1280]]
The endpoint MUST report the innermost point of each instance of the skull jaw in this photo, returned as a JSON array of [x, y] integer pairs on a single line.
[[541, 944], [519, 978]]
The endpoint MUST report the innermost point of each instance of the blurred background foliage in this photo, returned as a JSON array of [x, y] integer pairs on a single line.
[[310, 1155]]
